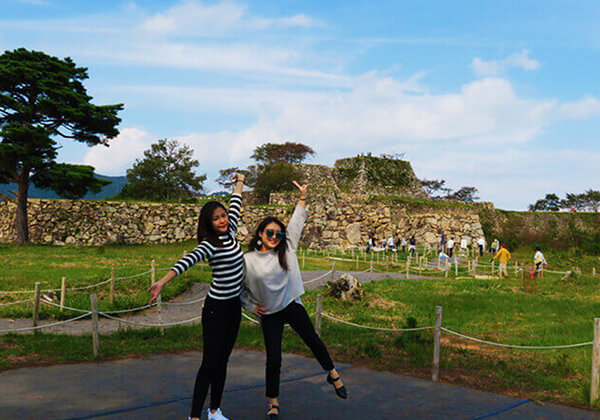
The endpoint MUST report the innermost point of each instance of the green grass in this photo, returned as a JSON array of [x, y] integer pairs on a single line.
[[561, 312]]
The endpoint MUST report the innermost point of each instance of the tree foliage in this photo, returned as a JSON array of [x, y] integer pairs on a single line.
[[468, 194], [270, 153], [435, 187], [550, 203], [42, 98], [166, 173], [226, 180], [274, 169]]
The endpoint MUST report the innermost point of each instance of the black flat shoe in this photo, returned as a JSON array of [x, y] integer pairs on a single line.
[[341, 391], [272, 416]]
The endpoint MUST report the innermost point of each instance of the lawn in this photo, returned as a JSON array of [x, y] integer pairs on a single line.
[[561, 311]]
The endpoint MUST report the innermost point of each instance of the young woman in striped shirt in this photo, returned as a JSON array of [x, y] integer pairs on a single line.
[[221, 314]]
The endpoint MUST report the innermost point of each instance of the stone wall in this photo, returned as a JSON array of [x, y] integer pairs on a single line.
[[343, 220]]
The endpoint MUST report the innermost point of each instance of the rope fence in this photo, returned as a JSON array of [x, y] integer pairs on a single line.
[[420, 264]]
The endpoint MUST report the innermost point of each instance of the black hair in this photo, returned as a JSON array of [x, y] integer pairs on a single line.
[[281, 248], [206, 231]]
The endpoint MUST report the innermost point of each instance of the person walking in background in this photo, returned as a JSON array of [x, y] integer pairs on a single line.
[[370, 242], [539, 260], [443, 242], [450, 246], [272, 290], [221, 313], [481, 245], [495, 247], [390, 243], [463, 246], [412, 245], [404, 244], [503, 257]]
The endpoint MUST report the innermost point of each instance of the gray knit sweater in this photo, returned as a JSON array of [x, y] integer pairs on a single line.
[[266, 282]]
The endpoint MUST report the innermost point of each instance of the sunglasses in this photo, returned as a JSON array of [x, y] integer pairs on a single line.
[[279, 235]]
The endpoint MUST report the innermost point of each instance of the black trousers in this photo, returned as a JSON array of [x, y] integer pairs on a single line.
[[480, 250], [450, 251], [272, 326], [220, 326]]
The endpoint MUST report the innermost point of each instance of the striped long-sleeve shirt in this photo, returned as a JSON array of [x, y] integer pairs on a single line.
[[227, 262]]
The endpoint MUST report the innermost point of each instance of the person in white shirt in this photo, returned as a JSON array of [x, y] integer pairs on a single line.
[[450, 246], [481, 245], [272, 289], [403, 243], [539, 260], [463, 246], [390, 243]]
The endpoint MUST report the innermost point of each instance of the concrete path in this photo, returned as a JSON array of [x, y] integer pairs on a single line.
[[175, 313], [157, 387]]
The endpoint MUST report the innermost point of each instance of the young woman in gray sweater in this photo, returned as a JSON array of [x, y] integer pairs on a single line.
[[272, 290]]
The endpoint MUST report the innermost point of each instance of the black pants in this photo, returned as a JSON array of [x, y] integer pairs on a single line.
[[480, 250], [450, 252], [220, 326], [272, 326]]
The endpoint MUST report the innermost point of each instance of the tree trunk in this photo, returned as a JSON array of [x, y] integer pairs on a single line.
[[21, 226]]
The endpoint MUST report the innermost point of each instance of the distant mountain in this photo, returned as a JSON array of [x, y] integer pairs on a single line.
[[118, 182]]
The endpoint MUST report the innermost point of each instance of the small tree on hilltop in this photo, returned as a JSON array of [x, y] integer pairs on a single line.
[[226, 180], [290, 152], [468, 194], [42, 97], [434, 187], [164, 174], [550, 203], [592, 199]]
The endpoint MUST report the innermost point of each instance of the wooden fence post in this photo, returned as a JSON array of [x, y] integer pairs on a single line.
[[63, 291], [516, 269], [36, 304], [493, 265], [159, 309], [408, 267], [303, 259], [332, 271], [357, 263], [595, 363], [318, 314], [437, 335], [593, 271], [455, 267], [186, 271], [112, 285], [152, 272], [95, 340], [371, 271]]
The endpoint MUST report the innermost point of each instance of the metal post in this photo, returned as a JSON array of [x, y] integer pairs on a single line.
[[159, 310]]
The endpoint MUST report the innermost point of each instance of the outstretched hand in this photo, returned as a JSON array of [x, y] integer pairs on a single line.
[[301, 188], [239, 177], [155, 291]]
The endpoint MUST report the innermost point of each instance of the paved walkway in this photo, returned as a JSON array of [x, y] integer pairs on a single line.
[[156, 387]]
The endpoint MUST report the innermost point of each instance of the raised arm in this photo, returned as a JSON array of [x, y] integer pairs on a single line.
[[235, 204], [296, 224]]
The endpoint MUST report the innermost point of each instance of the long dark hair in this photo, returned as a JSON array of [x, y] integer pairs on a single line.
[[281, 248], [206, 231]]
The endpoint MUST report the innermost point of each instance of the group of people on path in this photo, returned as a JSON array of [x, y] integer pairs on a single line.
[[265, 281]]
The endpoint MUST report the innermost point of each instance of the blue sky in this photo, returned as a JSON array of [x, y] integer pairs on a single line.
[[502, 96]]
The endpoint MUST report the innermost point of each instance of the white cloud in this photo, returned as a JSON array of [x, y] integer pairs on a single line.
[[122, 152], [495, 67], [579, 110], [194, 18]]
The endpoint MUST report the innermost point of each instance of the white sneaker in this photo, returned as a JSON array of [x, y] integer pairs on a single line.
[[217, 415]]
